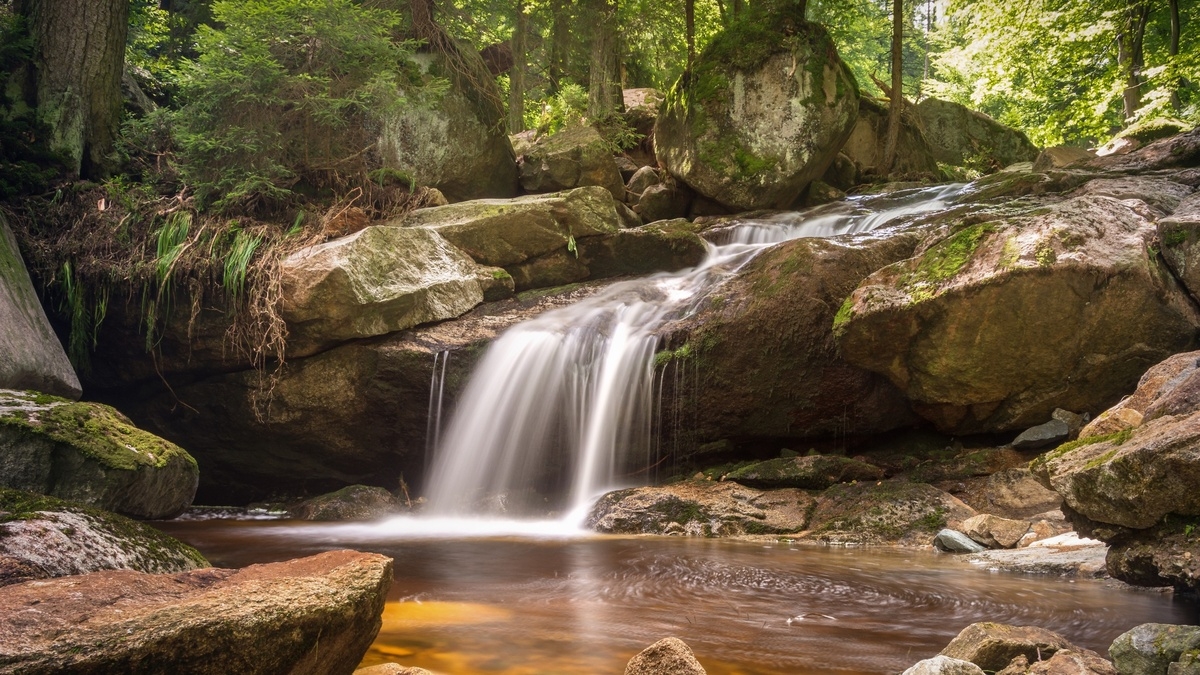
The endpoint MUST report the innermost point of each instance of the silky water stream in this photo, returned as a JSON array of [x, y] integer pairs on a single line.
[[560, 405]]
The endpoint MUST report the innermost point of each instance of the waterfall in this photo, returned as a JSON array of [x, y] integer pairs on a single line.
[[561, 402], [437, 391]]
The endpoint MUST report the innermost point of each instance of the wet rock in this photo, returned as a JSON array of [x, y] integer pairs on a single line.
[[1061, 156], [993, 531], [663, 202], [865, 146], [313, 615], [379, 280], [557, 268], [960, 136], [760, 350], [576, 156], [1064, 662], [952, 541], [893, 511], [701, 508], [1171, 387], [663, 246], [44, 537], [1095, 310], [992, 646], [33, 357], [669, 656], [1043, 435], [943, 665], [813, 472], [1063, 555], [356, 502], [457, 144], [1151, 648], [720, 132], [91, 454], [1180, 237]]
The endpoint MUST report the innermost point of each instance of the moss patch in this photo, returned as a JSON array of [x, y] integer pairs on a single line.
[[1116, 438]]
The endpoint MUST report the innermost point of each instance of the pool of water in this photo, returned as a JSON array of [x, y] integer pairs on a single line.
[[554, 600]]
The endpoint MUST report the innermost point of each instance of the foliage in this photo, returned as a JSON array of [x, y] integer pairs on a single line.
[[558, 111], [285, 96], [26, 163]]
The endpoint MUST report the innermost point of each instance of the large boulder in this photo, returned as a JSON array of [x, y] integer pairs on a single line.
[[759, 353], [33, 357], [764, 112], [378, 280], [812, 472], [354, 502], [663, 246], [669, 656], [43, 537], [1180, 237], [993, 531], [92, 454], [1006, 314], [576, 156], [865, 147], [888, 512], [456, 144], [992, 646], [1152, 648], [314, 615], [701, 508], [961, 137]]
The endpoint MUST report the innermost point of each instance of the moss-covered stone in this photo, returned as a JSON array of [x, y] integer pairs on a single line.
[[701, 508], [813, 472], [90, 453], [573, 157], [353, 502], [887, 512]]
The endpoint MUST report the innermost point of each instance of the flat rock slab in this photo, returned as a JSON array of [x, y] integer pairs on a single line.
[[1084, 558], [311, 615]]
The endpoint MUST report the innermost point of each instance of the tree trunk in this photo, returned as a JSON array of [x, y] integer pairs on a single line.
[[560, 36], [1173, 51], [79, 55], [897, 93], [516, 76], [604, 77], [1130, 55], [689, 12]]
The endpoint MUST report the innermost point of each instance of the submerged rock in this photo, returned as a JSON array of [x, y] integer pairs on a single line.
[[1066, 299], [752, 127], [1153, 648], [943, 665], [44, 537], [576, 156], [91, 454], [669, 656], [33, 357], [356, 502], [963, 137], [814, 472], [314, 615], [992, 646], [701, 508]]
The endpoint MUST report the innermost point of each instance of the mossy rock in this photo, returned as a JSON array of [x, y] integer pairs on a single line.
[[722, 131], [91, 454], [49, 537], [813, 472], [353, 502], [663, 246], [887, 512], [574, 157]]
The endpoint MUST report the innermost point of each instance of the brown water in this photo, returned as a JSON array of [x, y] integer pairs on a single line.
[[586, 604]]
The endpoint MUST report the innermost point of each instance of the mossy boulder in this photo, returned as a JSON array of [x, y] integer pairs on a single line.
[[763, 113], [865, 146], [887, 512], [1004, 315], [309, 616], [663, 246], [456, 143], [1179, 234], [33, 356], [576, 156], [378, 280], [354, 502], [43, 537], [813, 472], [1153, 648], [963, 137], [91, 454], [701, 508]]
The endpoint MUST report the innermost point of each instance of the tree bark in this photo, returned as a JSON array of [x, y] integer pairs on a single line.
[[689, 12], [1130, 55], [79, 55], [897, 93], [604, 76], [1173, 52], [516, 76], [560, 42]]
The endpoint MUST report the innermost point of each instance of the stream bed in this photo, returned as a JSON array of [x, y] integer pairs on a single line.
[[541, 599]]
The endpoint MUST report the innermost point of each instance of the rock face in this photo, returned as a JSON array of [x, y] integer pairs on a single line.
[[1180, 237], [992, 646], [865, 147], [760, 354], [755, 126], [1066, 299], [313, 615], [815, 472], [669, 656], [375, 281], [33, 357], [44, 537], [961, 136], [356, 502], [92, 454], [458, 144], [1155, 648], [700, 508], [576, 156]]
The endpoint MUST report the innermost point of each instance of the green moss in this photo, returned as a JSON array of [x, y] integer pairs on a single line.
[[843, 316], [666, 356], [1116, 438], [1009, 254], [952, 254], [1175, 237], [1149, 130], [1045, 255], [500, 273]]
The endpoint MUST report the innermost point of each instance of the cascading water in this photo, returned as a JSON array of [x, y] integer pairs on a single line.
[[565, 399]]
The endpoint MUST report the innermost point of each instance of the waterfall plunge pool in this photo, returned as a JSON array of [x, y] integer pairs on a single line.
[[545, 598]]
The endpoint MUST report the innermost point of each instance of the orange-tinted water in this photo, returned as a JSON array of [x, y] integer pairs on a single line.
[[518, 606]]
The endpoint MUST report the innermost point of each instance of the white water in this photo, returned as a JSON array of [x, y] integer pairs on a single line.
[[567, 398]]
